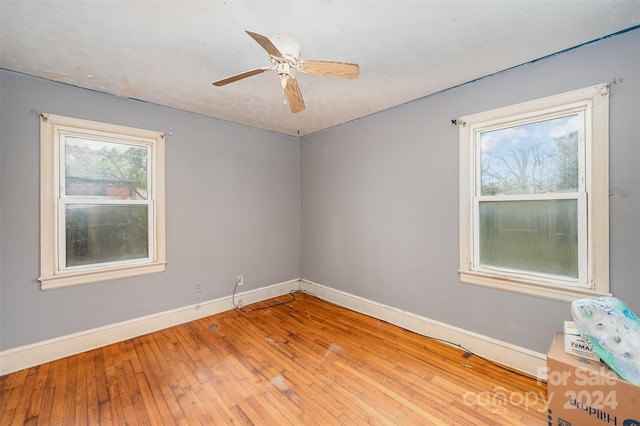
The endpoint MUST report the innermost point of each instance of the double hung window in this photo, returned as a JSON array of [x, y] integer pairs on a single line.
[[102, 201], [534, 196]]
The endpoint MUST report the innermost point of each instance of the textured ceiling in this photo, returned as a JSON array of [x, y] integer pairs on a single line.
[[169, 53]]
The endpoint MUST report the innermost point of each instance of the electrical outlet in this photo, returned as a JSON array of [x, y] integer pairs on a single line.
[[240, 303], [240, 280], [198, 288]]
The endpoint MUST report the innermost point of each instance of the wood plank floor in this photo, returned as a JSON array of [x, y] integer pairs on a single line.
[[302, 362]]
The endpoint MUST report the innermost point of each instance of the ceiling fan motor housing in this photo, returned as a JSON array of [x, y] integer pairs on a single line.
[[289, 48]]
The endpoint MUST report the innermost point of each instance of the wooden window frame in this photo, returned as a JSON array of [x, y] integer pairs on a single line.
[[53, 274], [594, 101]]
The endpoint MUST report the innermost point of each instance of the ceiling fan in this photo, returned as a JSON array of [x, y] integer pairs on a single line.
[[286, 57]]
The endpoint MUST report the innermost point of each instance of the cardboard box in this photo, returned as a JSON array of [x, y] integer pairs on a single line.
[[570, 328], [575, 344], [583, 392]]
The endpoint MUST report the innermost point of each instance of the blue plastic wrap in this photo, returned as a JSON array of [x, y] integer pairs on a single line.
[[614, 332]]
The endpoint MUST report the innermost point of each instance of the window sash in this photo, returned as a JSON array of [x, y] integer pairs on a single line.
[[62, 236], [64, 200], [583, 267], [581, 111], [61, 142]]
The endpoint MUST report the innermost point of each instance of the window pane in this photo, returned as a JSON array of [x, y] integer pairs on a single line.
[[99, 234], [531, 236], [102, 169], [531, 158]]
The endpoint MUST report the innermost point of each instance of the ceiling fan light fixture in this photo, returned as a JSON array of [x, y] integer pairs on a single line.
[[283, 80], [284, 72]]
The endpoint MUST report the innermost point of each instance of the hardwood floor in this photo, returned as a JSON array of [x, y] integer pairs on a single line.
[[305, 361]]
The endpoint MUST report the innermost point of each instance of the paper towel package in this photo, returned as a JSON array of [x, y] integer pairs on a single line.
[[613, 330]]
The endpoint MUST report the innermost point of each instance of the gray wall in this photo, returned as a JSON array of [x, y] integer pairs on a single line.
[[233, 208], [380, 198], [377, 204]]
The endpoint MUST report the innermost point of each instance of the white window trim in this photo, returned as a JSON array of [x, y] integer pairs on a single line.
[[597, 98], [51, 276]]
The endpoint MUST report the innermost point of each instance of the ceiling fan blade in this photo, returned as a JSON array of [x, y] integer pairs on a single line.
[[331, 69], [294, 97], [266, 44], [241, 76]]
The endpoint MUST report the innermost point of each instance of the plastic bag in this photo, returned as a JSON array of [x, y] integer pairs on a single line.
[[613, 330]]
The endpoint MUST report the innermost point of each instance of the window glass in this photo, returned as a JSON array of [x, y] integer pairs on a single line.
[[105, 169], [100, 234], [531, 158], [530, 236]]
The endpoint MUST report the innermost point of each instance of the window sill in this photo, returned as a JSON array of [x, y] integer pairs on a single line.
[[529, 287], [66, 279]]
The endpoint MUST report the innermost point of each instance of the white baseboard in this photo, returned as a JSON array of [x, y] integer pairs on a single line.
[[49, 350], [512, 356]]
